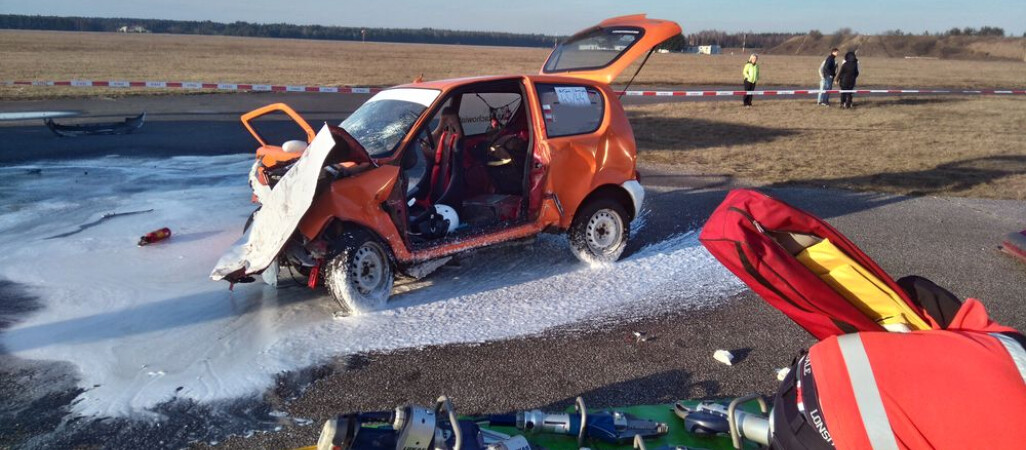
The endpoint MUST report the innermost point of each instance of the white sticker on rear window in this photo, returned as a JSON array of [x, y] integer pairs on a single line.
[[577, 96]]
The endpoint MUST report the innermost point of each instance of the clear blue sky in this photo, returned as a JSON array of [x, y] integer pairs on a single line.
[[562, 17]]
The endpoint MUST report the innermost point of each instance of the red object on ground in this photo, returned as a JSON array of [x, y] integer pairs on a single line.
[[155, 236], [736, 234], [956, 388], [1015, 245], [315, 273]]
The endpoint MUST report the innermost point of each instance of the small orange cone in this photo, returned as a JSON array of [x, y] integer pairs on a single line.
[[155, 236]]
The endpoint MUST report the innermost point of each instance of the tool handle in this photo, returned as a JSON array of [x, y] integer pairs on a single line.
[[502, 420], [579, 407], [444, 402]]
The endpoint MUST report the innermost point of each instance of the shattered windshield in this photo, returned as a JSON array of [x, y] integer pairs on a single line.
[[381, 123]]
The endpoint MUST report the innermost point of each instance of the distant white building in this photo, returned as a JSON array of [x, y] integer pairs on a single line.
[[709, 50], [704, 49], [133, 29], [598, 47]]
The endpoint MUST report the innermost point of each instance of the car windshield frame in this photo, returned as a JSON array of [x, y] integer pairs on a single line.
[[382, 122], [557, 53]]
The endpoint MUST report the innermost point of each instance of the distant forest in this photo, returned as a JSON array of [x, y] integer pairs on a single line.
[[727, 40], [771, 40], [279, 30], [407, 35], [422, 35]]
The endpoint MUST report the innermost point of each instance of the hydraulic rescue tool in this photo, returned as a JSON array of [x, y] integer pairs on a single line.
[[413, 428], [608, 426], [419, 428], [710, 418]]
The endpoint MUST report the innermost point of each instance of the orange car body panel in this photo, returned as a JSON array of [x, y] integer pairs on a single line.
[[272, 155], [656, 32], [275, 107], [582, 163], [355, 199]]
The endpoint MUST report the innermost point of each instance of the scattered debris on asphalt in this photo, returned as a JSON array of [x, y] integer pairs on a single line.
[[724, 357], [155, 236], [127, 126], [1015, 245], [641, 336]]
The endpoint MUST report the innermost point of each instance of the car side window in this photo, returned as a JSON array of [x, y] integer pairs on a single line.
[[569, 109], [476, 109]]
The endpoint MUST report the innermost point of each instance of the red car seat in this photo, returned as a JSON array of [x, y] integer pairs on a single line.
[[445, 170]]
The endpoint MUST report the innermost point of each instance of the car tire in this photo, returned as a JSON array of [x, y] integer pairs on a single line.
[[360, 274], [599, 231]]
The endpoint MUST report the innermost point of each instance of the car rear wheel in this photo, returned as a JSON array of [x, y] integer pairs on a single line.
[[599, 231], [359, 276]]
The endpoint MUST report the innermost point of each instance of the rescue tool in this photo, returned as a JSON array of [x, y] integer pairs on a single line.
[[613, 427], [419, 428]]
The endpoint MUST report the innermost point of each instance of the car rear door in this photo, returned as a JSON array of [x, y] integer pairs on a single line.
[[602, 52]]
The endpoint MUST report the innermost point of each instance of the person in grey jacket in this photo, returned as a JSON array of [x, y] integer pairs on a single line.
[[827, 72]]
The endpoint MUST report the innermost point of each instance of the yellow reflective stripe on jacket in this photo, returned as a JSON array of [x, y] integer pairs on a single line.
[[751, 72]]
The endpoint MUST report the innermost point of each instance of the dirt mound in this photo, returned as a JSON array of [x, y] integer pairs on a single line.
[[947, 47]]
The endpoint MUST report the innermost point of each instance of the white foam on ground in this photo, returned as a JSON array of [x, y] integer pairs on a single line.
[[146, 325]]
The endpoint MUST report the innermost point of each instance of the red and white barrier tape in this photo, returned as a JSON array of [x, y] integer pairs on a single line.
[[229, 87], [196, 85], [817, 91]]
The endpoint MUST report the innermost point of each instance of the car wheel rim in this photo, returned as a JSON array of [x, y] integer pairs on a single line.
[[367, 269], [604, 232]]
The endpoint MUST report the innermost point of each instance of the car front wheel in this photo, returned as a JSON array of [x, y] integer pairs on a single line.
[[599, 231], [360, 275]]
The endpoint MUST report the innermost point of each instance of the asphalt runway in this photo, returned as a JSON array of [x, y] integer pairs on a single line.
[[953, 241], [199, 123]]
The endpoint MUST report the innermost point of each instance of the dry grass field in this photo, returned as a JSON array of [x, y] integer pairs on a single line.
[[42, 55], [973, 147]]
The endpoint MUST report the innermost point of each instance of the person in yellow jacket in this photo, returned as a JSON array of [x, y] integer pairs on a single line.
[[751, 75]]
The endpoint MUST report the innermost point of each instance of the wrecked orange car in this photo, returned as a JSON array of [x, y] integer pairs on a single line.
[[425, 171]]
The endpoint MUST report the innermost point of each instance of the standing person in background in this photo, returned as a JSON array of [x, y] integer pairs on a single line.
[[827, 72], [751, 75], [846, 76]]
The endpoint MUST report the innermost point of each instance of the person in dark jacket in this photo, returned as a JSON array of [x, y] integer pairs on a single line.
[[827, 73], [846, 77]]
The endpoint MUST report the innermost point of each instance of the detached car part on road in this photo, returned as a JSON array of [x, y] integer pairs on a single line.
[[427, 170]]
